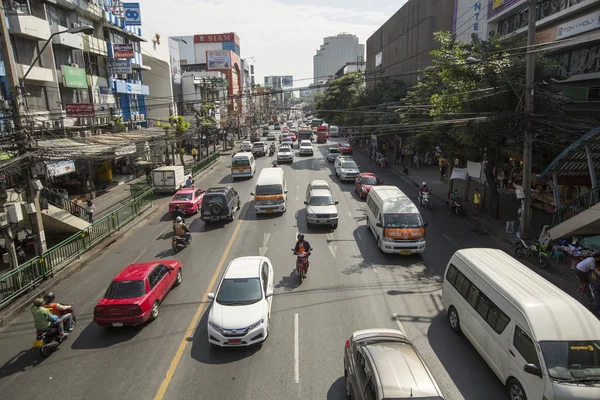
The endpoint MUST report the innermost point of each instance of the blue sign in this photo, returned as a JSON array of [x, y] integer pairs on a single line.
[[104, 90], [132, 14], [131, 88]]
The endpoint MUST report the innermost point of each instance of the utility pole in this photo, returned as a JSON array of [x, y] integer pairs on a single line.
[[528, 137]]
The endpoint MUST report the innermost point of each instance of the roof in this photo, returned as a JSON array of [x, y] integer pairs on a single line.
[[394, 200], [186, 190], [218, 189], [368, 174], [320, 192], [319, 182], [244, 267], [242, 154], [306, 142], [270, 176], [552, 314], [137, 271], [573, 160]]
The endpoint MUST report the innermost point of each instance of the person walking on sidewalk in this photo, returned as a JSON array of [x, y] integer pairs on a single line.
[[194, 153], [476, 202], [91, 207], [416, 161], [443, 168]]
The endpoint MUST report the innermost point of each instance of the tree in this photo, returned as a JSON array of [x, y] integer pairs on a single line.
[[341, 96], [472, 100], [180, 125]]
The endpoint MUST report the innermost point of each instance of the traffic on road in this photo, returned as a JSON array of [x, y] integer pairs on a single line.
[[307, 272]]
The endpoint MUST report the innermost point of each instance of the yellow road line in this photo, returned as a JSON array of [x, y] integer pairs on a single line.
[[190, 329]]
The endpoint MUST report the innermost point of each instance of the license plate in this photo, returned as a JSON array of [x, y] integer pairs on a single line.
[[269, 211], [117, 324], [214, 218], [38, 343], [405, 252], [234, 341]]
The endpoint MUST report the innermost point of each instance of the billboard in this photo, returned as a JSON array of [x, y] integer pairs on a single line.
[[79, 110], [132, 14], [287, 81], [217, 38], [304, 93], [218, 59], [471, 18], [123, 50], [74, 77], [117, 66], [378, 58]]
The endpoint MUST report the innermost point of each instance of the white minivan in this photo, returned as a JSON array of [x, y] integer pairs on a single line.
[[243, 165], [395, 221], [270, 195], [538, 340]]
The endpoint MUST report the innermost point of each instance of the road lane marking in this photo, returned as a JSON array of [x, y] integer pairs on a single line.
[[262, 251], [190, 330], [397, 319], [266, 237], [452, 242], [349, 214], [296, 351]]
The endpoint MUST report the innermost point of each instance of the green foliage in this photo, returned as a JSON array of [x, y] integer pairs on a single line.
[[179, 124], [341, 96], [120, 126]]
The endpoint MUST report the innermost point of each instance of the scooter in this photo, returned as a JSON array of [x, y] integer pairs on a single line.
[[455, 208], [302, 264], [48, 341], [424, 198], [179, 243], [528, 250], [271, 151]]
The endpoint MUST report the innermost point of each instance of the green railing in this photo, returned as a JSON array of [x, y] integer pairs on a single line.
[[27, 276], [204, 163], [573, 208], [60, 201], [140, 187]]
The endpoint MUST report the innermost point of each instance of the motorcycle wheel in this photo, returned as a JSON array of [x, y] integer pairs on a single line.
[[544, 261], [520, 252], [300, 275], [46, 350], [175, 248]]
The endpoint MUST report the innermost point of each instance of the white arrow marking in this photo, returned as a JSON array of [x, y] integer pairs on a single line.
[[333, 250], [263, 251], [266, 237]]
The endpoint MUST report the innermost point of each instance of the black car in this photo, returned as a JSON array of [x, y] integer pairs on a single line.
[[220, 203]]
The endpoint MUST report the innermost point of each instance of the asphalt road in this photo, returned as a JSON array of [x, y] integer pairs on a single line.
[[350, 286]]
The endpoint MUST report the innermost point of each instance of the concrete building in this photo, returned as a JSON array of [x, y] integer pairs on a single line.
[[157, 56], [215, 52], [572, 22], [334, 53], [470, 18], [400, 48], [350, 67]]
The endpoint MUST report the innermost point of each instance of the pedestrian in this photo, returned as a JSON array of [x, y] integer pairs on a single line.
[[189, 182], [91, 207], [194, 153], [443, 168], [476, 202], [416, 161]]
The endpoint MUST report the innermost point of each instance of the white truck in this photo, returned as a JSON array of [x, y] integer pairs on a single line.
[[169, 179]]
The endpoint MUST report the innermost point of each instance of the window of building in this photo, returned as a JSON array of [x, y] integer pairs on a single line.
[[37, 100], [25, 50], [70, 95], [545, 8], [57, 15], [18, 5], [116, 38], [95, 65], [579, 61], [594, 93]]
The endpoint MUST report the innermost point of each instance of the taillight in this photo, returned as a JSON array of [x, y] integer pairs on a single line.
[[347, 343], [97, 312], [135, 311]]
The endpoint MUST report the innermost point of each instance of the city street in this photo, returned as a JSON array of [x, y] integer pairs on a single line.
[[350, 286]]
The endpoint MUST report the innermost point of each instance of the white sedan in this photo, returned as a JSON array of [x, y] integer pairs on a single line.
[[271, 136], [246, 145], [241, 308], [306, 147]]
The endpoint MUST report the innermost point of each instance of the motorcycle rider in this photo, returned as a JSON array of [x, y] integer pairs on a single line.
[[58, 309], [453, 199], [181, 229], [178, 213], [44, 320], [423, 189], [302, 246]]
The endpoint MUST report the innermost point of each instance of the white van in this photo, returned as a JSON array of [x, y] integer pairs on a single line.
[[270, 195], [243, 165], [395, 221], [334, 131], [540, 342]]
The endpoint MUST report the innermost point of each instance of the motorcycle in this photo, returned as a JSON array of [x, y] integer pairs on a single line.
[[179, 243], [424, 198], [454, 207], [302, 264], [48, 341], [271, 151], [528, 250]]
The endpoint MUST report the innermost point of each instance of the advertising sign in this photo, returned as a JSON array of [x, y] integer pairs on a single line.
[[123, 50], [132, 14], [74, 77], [471, 19], [215, 38], [218, 59], [287, 81], [117, 66], [131, 88], [79, 110], [579, 25], [104, 90], [304, 93], [60, 168], [378, 58]]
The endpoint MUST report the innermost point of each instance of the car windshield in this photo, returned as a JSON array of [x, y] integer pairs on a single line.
[[572, 360], [258, 144], [287, 140], [344, 144], [240, 162], [336, 151], [239, 292], [403, 221], [213, 199], [349, 165], [321, 201], [286, 150], [183, 197], [125, 290], [265, 190], [369, 180]]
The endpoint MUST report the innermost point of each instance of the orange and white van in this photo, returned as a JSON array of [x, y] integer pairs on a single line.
[[270, 194], [243, 165], [395, 221]]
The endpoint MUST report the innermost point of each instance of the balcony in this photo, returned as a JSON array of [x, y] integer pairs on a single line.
[[90, 10], [94, 45], [66, 39], [36, 74], [28, 26]]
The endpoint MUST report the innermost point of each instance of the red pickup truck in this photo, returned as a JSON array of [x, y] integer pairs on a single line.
[[322, 134]]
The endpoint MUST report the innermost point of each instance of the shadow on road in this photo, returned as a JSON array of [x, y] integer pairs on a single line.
[[97, 337], [337, 391], [22, 362], [289, 282]]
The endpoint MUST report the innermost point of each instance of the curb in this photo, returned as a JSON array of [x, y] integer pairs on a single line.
[[23, 302]]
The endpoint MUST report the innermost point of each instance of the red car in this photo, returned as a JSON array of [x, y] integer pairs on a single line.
[[292, 136], [134, 296], [345, 148], [364, 182], [188, 200]]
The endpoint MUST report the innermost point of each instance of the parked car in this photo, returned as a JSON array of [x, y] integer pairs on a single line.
[[259, 149], [246, 145], [345, 148], [321, 208], [285, 154], [188, 200], [364, 182], [384, 364], [306, 147], [333, 153], [135, 294], [220, 203], [346, 168], [240, 314]]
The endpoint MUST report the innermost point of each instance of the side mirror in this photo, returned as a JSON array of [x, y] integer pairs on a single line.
[[306, 202], [211, 296], [269, 293], [532, 369], [285, 192], [379, 225], [171, 268], [337, 202], [381, 182], [252, 194], [426, 224]]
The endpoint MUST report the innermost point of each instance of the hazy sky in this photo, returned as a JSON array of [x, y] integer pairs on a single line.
[[281, 35]]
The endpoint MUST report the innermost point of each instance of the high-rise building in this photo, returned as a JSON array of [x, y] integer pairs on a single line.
[[334, 53]]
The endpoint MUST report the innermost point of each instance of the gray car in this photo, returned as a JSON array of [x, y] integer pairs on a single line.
[[321, 209], [383, 364]]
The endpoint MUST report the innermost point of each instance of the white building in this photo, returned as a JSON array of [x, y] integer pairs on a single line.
[[160, 106], [334, 53]]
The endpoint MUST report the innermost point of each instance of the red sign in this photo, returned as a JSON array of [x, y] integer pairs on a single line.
[[216, 38], [79, 110], [123, 50]]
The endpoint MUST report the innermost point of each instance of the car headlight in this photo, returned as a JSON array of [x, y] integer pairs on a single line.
[[311, 215], [254, 325], [363, 188], [217, 327], [387, 239], [422, 239], [333, 216]]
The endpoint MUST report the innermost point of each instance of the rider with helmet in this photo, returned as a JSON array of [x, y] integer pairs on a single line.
[[60, 310], [302, 246], [423, 189], [181, 229], [178, 213]]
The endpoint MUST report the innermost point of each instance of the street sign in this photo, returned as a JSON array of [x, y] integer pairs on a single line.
[[132, 14], [123, 50], [79, 110], [118, 66]]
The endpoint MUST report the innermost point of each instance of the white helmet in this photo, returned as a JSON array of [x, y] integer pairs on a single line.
[[424, 184], [178, 219]]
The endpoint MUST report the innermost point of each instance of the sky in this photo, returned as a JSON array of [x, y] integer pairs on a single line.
[[281, 35]]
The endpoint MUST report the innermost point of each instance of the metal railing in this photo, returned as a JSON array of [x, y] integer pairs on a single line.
[[575, 207], [27, 276], [60, 201], [204, 163]]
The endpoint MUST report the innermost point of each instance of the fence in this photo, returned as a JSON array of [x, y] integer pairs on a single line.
[[27, 276], [63, 202]]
